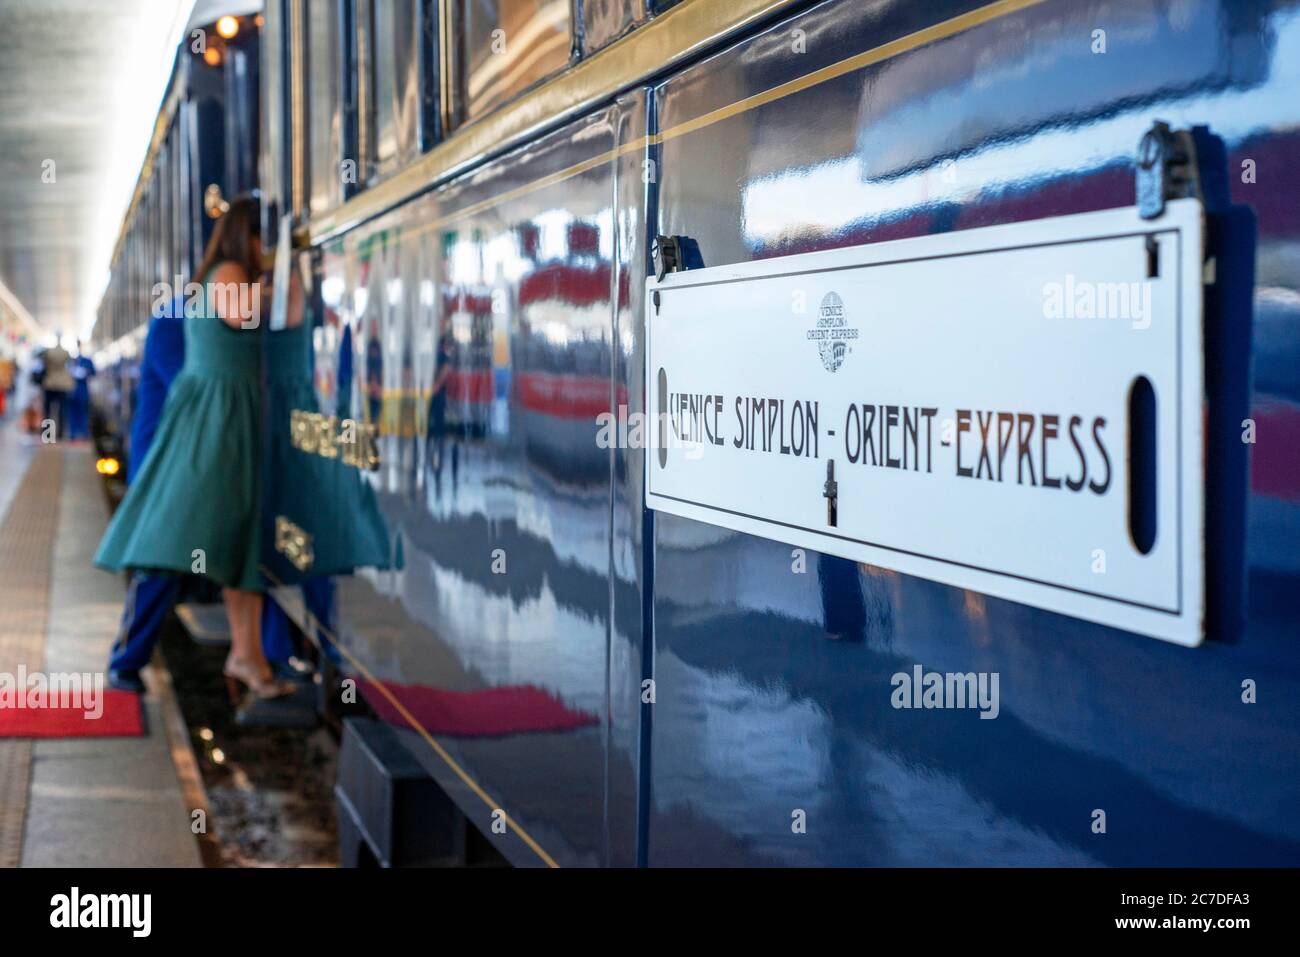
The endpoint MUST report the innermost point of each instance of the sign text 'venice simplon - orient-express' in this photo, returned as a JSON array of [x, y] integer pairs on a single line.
[[1015, 410]]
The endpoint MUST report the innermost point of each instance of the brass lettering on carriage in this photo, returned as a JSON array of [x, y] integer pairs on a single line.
[[329, 437], [326, 445], [293, 543]]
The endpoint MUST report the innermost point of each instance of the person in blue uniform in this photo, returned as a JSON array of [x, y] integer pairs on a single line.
[[437, 429], [149, 596], [83, 370]]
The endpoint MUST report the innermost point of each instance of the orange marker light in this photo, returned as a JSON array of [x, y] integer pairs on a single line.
[[228, 27], [212, 56], [108, 466]]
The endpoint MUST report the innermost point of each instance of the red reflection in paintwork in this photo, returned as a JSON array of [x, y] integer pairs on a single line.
[[487, 712]]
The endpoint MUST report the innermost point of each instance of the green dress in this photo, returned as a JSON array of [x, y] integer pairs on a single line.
[[202, 503], [326, 497], [194, 505]]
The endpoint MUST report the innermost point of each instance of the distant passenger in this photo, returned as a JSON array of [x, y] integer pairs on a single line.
[[56, 385], [27, 395], [437, 435], [374, 377], [83, 370], [8, 373]]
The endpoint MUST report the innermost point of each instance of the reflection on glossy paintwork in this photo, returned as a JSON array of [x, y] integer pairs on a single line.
[[482, 348]]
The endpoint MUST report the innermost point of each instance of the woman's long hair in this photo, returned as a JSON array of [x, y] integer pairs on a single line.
[[232, 239]]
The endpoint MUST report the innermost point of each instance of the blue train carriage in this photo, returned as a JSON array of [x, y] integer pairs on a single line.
[[753, 663], [204, 150]]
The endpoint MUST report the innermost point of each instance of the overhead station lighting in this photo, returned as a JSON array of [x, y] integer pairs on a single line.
[[131, 85], [227, 27]]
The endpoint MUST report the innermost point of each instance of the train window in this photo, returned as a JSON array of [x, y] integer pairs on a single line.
[[273, 175], [144, 216], [159, 260], [128, 278], [157, 264], [131, 296], [604, 21], [325, 116], [502, 47], [161, 188], [180, 209], [148, 237], [397, 63], [142, 281], [173, 225], [135, 276]]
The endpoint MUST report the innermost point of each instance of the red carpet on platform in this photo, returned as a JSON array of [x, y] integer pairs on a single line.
[[121, 718], [513, 709]]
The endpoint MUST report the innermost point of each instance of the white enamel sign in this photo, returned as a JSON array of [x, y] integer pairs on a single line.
[[1015, 410]]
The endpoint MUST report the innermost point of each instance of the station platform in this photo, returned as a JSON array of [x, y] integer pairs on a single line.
[[91, 801]]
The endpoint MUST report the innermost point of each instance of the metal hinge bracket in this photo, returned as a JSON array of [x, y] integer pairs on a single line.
[[1166, 169], [667, 255]]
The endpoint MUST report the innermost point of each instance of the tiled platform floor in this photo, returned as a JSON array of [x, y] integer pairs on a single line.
[[80, 802]]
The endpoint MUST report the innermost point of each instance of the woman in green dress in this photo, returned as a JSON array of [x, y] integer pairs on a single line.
[[195, 504]]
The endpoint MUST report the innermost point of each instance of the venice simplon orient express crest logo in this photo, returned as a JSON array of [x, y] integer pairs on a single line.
[[832, 332]]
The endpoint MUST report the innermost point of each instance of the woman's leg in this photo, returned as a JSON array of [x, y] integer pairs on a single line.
[[254, 629], [246, 663], [234, 602], [244, 610]]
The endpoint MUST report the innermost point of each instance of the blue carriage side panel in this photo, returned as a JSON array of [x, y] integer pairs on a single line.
[[1230, 255], [774, 737], [493, 333]]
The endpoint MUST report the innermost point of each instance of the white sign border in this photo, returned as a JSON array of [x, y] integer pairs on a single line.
[[1185, 218]]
